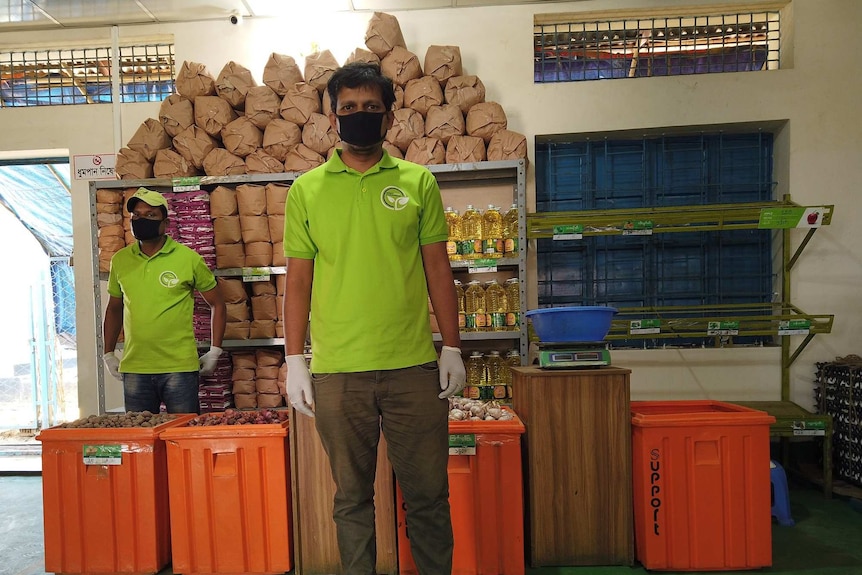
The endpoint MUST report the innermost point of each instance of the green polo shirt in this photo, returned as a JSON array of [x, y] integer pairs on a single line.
[[369, 299], [158, 302]]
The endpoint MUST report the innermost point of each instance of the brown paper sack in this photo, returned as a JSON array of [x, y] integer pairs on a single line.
[[269, 358], [507, 145], [227, 230], [281, 73], [243, 358], [319, 67], [108, 208], [258, 254], [213, 114], [280, 282], [486, 119], [464, 149], [300, 102], [443, 122], [232, 290], [301, 159], [383, 34], [401, 65], [194, 144], [243, 373], [263, 307], [406, 127], [261, 105], [111, 243], [262, 288], [399, 98], [223, 202], [259, 162], [318, 134], [426, 151], [393, 150], [230, 256], [269, 370], [443, 62], [236, 329], [276, 228], [237, 311], [220, 162], [422, 93], [149, 138], [280, 137], [270, 400], [176, 114], [170, 164], [243, 387], [109, 197], [109, 219], [233, 83], [282, 372], [105, 261], [112, 230], [279, 303], [132, 165], [465, 92], [279, 331], [262, 329], [363, 55], [276, 196], [254, 229], [241, 137], [325, 104], [278, 258], [251, 199], [268, 386], [195, 80], [245, 400]]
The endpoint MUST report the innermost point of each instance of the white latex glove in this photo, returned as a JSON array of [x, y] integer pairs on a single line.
[[453, 376], [112, 363], [299, 391], [209, 360]]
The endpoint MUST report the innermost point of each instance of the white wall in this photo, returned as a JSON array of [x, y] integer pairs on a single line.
[[817, 149]]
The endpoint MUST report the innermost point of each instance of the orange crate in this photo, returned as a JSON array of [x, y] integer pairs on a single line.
[[229, 498], [702, 495], [106, 518], [486, 501]]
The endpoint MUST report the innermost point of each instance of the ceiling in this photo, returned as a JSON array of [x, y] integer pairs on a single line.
[[58, 14]]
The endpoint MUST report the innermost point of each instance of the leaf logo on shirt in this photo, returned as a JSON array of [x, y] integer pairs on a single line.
[[169, 279], [394, 198]]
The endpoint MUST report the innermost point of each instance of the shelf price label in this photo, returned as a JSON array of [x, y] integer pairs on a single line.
[[786, 218], [187, 184], [637, 228], [644, 326], [722, 328], [462, 444], [794, 327], [255, 274], [573, 232], [802, 427], [482, 266], [102, 454]]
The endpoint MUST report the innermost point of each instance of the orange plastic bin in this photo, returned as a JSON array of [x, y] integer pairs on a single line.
[[111, 518], [486, 501], [229, 498], [701, 485]]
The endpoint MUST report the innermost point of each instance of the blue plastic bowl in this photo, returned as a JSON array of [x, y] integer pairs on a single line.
[[578, 323]]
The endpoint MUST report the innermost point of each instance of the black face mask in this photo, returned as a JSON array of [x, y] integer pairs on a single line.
[[144, 229], [361, 128]]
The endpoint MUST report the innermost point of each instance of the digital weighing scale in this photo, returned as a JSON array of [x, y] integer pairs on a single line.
[[573, 355]]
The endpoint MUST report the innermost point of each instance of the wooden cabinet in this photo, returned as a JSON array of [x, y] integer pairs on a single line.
[[577, 450]]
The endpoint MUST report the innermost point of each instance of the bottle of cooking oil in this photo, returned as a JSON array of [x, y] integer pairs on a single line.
[[510, 232], [496, 380], [474, 307], [492, 226], [453, 220], [513, 359], [513, 304], [471, 244], [462, 310], [495, 305], [475, 369]]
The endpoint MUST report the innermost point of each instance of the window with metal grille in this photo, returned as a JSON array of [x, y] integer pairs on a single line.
[[83, 76], [655, 271], [639, 46]]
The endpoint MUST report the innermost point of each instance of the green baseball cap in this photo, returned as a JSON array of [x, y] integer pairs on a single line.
[[147, 196]]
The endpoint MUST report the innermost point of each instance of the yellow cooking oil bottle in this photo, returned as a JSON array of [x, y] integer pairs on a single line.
[[495, 306], [513, 359], [510, 232], [474, 307], [453, 221], [492, 227], [471, 243], [462, 310], [475, 369], [513, 304], [496, 380]]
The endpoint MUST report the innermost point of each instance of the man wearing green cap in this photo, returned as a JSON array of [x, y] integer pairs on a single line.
[[151, 296]]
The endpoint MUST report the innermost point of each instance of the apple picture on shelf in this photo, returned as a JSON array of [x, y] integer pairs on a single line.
[[813, 217]]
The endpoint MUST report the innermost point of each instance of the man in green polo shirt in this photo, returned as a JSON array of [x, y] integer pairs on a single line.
[[151, 296], [365, 239]]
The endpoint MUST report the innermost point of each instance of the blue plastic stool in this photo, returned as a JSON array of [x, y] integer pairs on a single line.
[[780, 495]]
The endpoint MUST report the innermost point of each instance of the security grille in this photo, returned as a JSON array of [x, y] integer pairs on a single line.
[[641, 47]]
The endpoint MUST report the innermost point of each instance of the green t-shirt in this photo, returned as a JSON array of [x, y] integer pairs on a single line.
[[369, 300], [158, 302]]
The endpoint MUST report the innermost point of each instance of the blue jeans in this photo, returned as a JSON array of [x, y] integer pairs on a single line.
[[147, 391]]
